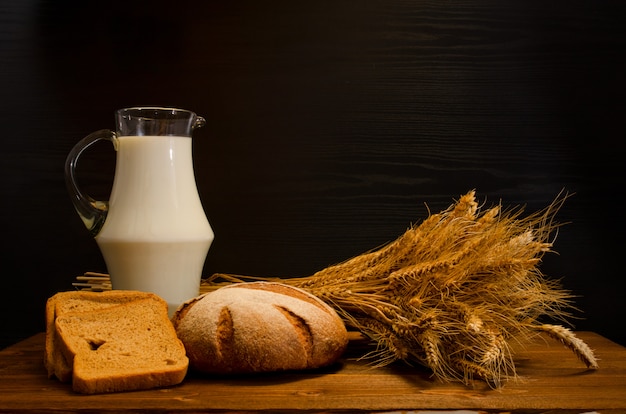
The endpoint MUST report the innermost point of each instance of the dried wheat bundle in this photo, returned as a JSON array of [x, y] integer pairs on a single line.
[[451, 293]]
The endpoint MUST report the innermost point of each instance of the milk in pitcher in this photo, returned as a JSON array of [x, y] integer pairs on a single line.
[[156, 235]]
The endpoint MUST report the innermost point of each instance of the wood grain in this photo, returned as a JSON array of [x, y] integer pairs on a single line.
[[552, 381]]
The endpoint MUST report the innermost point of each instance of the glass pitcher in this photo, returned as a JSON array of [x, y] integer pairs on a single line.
[[153, 232]]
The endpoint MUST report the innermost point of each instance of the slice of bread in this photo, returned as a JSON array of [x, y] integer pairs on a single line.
[[122, 348], [77, 301], [113, 341]]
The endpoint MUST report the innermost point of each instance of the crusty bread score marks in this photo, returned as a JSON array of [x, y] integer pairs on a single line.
[[301, 326], [259, 327], [224, 334], [302, 329]]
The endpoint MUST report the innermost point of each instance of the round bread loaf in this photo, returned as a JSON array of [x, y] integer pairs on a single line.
[[259, 327]]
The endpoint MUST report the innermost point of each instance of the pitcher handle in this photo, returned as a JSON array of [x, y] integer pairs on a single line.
[[92, 212]]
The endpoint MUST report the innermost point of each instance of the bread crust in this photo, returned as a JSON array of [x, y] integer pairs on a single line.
[[112, 341], [63, 303], [259, 327], [122, 348]]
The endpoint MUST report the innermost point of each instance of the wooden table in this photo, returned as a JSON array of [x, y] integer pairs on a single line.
[[553, 381]]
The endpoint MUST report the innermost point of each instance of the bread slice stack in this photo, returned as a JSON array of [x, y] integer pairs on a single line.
[[112, 341]]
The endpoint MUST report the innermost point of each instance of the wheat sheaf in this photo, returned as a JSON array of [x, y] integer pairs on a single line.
[[451, 293]]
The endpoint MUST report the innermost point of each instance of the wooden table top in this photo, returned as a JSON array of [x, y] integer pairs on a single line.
[[552, 380]]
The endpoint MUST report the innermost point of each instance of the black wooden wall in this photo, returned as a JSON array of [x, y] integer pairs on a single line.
[[330, 125]]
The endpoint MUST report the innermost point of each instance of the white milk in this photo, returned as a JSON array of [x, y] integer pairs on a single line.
[[156, 235]]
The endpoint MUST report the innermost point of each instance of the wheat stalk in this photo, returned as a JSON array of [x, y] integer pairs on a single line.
[[452, 292], [571, 341]]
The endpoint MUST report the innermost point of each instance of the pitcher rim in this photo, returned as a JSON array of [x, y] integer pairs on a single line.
[[154, 108]]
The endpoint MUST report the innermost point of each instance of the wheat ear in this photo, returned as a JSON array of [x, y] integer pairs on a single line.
[[571, 341]]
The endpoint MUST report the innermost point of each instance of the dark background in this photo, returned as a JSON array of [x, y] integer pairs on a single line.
[[331, 126]]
